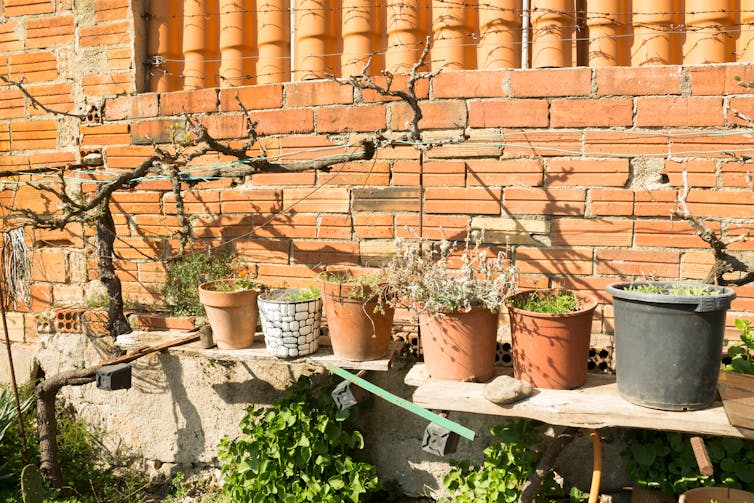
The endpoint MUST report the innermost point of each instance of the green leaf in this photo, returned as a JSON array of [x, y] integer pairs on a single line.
[[745, 472]]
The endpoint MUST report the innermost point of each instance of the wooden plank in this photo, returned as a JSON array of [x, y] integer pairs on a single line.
[[258, 351], [597, 404]]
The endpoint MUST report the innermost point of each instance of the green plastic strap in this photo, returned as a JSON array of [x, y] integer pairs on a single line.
[[403, 403]]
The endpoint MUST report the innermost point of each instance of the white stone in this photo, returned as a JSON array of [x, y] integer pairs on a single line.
[[301, 316], [294, 325], [290, 340], [292, 352], [302, 307], [285, 326], [305, 330]]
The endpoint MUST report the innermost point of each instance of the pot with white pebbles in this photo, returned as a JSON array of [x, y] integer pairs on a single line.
[[290, 321]]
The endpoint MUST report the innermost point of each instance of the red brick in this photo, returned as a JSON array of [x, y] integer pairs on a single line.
[[323, 92], [700, 173], [131, 107], [677, 111], [195, 101], [104, 34], [638, 81], [319, 200], [278, 275], [444, 174], [226, 126], [49, 31], [591, 113], [133, 248], [119, 59], [110, 10], [697, 143], [156, 225], [551, 82], [737, 174], [741, 105], [452, 227], [51, 159], [14, 162], [251, 201], [27, 7], [107, 134], [33, 66], [373, 226], [106, 85], [285, 225], [153, 131], [10, 37], [252, 97], [718, 80], [127, 157], [668, 234], [351, 118], [49, 266], [284, 121], [606, 143], [514, 113], [30, 135], [435, 115], [659, 264], [325, 252], [278, 179], [504, 172], [541, 143], [474, 201], [356, 173], [591, 232], [611, 202], [5, 137], [469, 84], [545, 201], [722, 204], [334, 227], [58, 97], [696, 264], [554, 261], [655, 203], [590, 172], [136, 202], [194, 202], [12, 104], [734, 231], [223, 227], [386, 199], [275, 251]]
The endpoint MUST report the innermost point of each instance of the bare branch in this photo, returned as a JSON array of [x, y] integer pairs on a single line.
[[36, 103]]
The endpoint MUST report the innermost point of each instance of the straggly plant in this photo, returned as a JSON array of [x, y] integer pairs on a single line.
[[676, 289], [424, 279], [550, 302], [665, 461], [184, 275], [742, 353], [302, 448], [506, 468]]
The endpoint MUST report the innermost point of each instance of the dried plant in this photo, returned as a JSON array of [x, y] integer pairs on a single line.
[[422, 277]]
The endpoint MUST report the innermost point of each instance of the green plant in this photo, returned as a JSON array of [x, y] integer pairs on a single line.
[[507, 466], [184, 275], [299, 449], [665, 461], [547, 301], [11, 461], [676, 289], [424, 279], [742, 353], [292, 295], [366, 287]]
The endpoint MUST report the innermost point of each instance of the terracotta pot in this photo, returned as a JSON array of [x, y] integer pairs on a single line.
[[551, 350], [358, 330], [718, 494], [459, 346], [232, 315]]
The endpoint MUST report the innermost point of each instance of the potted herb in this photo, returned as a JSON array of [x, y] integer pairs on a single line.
[[550, 335], [290, 321], [457, 295], [736, 384], [231, 307], [668, 342], [359, 319]]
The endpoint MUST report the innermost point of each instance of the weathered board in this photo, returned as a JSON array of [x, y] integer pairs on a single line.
[[323, 356], [597, 404]]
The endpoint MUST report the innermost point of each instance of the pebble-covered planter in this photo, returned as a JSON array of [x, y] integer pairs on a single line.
[[290, 329]]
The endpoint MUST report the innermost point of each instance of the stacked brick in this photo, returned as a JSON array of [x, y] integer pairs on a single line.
[[576, 170]]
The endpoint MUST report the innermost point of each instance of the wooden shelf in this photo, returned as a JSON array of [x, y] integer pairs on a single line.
[[323, 356], [597, 404]]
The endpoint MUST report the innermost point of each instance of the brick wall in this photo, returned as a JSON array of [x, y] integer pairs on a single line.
[[576, 169]]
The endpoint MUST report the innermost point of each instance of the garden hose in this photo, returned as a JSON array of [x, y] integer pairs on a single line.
[[594, 492]]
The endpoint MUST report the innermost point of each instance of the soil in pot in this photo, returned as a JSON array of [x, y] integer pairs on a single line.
[[360, 329], [460, 346], [551, 350], [232, 315]]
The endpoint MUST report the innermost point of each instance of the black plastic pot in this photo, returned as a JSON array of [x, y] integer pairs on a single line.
[[668, 348]]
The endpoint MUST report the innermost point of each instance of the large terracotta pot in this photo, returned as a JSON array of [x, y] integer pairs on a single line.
[[231, 314], [359, 331], [459, 346], [551, 350]]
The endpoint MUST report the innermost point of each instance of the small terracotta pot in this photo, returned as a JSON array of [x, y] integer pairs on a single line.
[[359, 331], [460, 346], [718, 494], [551, 350], [232, 315]]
